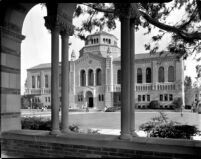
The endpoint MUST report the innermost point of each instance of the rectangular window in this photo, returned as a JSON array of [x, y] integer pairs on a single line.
[[139, 98], [166, 97], [45, 99], [102, 97], [170, 97], [49, 99], [46, 81], [143, 97], [33, 81], [148, 98], [161, 97]]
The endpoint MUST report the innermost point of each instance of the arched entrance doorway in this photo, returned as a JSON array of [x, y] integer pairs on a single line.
[[89, 99]]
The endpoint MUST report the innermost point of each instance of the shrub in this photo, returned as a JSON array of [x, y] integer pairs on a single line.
[[112, 109], [154, 104], [161, 127], [177, 102], [38, 123]]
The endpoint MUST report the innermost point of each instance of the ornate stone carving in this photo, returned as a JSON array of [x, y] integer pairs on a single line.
[[59, 23]]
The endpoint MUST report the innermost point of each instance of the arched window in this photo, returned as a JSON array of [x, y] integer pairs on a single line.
[[82, 78], [46, 81], [38, 81], [98, 77], [90, 77], [171, 74], [119, 77], [97, 40], [161, 74], [148, 75], [139, 75], [33, 81]]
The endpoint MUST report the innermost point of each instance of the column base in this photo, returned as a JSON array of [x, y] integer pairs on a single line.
[[134, 134], [65, 131], [55, 132], [125, 137]]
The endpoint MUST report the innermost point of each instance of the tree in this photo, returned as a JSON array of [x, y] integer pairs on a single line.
[[185, 33], [25, 102], [189, 92], [187, 83]]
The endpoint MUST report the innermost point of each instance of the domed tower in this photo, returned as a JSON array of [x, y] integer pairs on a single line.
[[98, 43]]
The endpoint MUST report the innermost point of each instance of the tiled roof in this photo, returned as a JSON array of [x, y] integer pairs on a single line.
[[41, 66], [102, 33], [148, 55]]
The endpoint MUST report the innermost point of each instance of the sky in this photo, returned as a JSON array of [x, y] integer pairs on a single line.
[[36, 48]]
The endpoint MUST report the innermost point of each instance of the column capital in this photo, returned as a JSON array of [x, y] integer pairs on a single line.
[[59, 23], [51, 23], [122, 10]]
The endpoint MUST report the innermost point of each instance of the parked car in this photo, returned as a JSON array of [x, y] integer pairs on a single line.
[[188, 106], [199, 108]]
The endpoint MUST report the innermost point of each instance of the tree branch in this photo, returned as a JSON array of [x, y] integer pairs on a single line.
[[189, 37], [99, 9]]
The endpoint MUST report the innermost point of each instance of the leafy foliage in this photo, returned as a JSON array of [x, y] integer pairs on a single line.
[[38, 123], [154, 104], [177, 102], [161, 127], [113, 109], [185, 31]]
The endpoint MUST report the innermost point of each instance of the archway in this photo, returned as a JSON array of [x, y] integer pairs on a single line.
[[89, 99], [11, 22]]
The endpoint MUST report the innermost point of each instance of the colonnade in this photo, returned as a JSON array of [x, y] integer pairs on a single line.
[[127, 18], [65, 30]]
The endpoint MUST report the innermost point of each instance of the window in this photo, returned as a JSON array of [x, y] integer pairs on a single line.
[[170, 97], [166, 97], [90, 77], [38, 82], [148, 75], [148, 97], [33, 81], [82, 78], [143, 97], [49, 99], [109, 41], [171, 74], [46, 81], [139, 98], [119, 77], [99, 97], [102, 97], [45, 99], [161, 97], [98, 77], [161, 74], [139, 75]]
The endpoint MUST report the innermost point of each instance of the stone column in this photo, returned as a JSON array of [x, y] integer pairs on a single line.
[[51, 24], [95, 78], [125, 74], [65, 73], [132, 77]]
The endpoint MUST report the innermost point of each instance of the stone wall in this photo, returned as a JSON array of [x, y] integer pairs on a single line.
[[39, 144]]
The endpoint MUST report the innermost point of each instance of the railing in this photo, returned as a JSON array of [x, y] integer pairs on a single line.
[[38, 91], [155, 86], [117, 88]]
